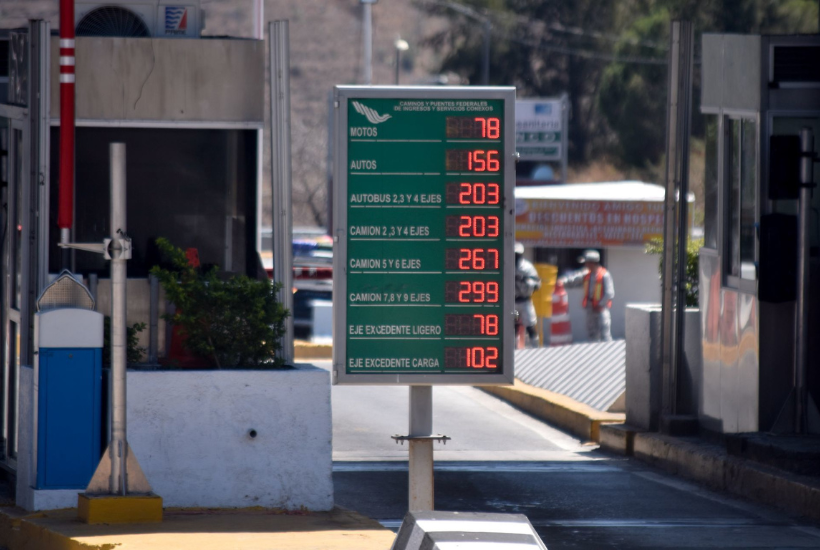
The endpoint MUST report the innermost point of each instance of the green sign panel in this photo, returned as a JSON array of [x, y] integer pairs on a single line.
[[423, 210]]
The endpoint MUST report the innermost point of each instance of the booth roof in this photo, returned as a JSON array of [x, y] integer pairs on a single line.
[[603, 191]]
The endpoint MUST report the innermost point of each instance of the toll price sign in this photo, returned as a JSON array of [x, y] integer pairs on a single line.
[[423, 228]]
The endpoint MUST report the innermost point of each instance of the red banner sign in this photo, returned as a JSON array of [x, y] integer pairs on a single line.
[[582, 224]]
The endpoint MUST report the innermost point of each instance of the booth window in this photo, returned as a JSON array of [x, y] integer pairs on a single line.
[[741, 190], [710, 185]]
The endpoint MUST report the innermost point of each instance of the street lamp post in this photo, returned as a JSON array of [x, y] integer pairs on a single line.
[[367, 41], [401, 46]]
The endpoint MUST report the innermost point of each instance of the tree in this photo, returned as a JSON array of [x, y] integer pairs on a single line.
[[610, 57], [530, 53]]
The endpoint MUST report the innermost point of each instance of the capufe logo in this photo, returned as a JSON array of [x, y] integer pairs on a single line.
[[372, 116], [176, 20]]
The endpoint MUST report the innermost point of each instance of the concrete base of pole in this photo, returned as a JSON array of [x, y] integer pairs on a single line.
[[96, 509]]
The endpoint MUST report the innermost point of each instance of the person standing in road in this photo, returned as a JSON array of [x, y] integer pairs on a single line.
[[598, 294], [527, 281]]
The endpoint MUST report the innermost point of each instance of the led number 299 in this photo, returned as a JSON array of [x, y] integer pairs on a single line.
[[471, 292]]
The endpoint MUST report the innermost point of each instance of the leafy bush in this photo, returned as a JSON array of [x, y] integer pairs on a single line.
[[236, 322], [690, 273]]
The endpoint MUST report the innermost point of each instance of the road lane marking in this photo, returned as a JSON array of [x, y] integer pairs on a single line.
[[562, 468], [643, 523]]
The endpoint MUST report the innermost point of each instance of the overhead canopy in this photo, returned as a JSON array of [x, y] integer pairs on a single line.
[[594, 215]]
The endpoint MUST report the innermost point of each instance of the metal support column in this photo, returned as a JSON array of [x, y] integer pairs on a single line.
[[40, 112], [803, 241], [281, 174], [679, 108]]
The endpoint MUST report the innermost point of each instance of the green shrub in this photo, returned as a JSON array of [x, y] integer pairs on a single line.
[[133, 351], [691, 272], [237, 322]]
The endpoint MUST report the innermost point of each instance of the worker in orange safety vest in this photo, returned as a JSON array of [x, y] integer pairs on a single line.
[[598, 294]]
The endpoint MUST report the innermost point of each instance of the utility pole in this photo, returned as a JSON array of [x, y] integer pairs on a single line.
[[485, 62]]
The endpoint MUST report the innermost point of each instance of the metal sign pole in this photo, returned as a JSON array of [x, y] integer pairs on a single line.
[[421, 449]]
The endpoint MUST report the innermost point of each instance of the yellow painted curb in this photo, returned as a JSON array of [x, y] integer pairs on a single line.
[[307, 350], [96, 509], [559, 410]]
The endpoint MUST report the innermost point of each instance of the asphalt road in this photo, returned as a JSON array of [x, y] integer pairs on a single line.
[[502, 460]]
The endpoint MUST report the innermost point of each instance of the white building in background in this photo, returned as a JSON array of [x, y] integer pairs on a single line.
[[557, 222]]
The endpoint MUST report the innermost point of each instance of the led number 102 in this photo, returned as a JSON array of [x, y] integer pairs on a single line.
[[475, 357]]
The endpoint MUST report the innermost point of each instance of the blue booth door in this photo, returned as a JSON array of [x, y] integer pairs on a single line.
[[68, 435]]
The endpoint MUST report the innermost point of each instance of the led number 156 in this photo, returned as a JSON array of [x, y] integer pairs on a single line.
[[478, 160]]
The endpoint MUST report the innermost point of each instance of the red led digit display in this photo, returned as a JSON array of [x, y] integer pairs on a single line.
[[472, 226], [463, 127], [482, 194], [471, 259], [473, 324], [475, 357], [471, 292], [478, 160]]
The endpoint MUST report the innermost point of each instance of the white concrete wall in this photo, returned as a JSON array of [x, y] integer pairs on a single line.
[[636, 280], [190, 433]]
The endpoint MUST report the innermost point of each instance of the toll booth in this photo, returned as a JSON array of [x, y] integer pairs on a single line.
[[756, 89], [190, 110]]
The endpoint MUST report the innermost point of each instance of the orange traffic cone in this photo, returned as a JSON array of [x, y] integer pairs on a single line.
[[561, 329]]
